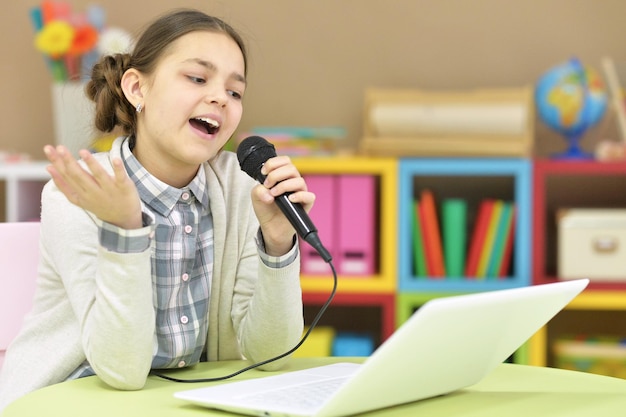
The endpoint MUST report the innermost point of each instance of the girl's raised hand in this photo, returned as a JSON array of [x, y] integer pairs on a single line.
[[111, 198]]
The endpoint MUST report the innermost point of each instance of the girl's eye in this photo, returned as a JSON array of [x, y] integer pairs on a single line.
[[196, 80], [234, 94]]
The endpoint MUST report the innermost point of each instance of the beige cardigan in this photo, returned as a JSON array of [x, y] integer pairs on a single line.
[[98, 305]]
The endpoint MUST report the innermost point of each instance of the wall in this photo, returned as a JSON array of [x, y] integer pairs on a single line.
[[312, 59]]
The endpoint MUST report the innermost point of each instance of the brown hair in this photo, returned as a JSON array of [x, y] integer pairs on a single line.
[[104, 88]]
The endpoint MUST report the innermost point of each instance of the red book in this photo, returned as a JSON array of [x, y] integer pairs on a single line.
[[508, 249], [432, 235], [478, 236], [425, 247]]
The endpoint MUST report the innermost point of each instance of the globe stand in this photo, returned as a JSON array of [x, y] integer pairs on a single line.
[[573, 151]]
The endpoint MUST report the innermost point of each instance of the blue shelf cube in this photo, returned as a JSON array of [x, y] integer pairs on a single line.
[[511, 177]]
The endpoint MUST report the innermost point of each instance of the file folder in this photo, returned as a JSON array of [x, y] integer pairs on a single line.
[[357, 206], [323, 215]]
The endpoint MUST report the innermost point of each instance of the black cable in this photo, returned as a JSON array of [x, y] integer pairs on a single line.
[[265, 362]]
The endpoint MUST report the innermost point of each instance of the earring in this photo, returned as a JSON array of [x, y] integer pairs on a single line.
[[139, 108]]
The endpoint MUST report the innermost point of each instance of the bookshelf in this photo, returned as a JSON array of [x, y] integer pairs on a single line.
[[565, 184], [22, 183], [377, 303], [363, 303], [601, 308], [471, 180], [385, 169]]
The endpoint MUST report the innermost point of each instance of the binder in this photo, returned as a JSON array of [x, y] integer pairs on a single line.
[[356, 225], [323, 215]]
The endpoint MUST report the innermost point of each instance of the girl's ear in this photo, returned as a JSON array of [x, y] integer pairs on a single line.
[[131, 86]]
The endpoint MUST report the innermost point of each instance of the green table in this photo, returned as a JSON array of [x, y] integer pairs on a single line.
[[511, 390]]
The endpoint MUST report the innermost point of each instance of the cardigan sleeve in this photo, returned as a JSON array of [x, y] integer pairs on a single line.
[[110, 292]]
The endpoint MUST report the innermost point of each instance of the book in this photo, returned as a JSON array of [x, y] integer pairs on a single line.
[[428, 257], [454, 235], [503, 269], [488, 244], [432, 234], [479, 231], [419, 258], [500, 241]]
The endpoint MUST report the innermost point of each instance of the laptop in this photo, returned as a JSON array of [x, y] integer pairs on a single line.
[[448, 344]]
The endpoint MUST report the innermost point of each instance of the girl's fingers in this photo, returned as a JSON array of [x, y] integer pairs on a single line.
[[289, 185], [97, 174], [279, 175], [62, 185], [119, 172], [75, 175]]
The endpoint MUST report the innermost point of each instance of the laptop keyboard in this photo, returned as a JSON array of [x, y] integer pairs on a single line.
[[310, 395]]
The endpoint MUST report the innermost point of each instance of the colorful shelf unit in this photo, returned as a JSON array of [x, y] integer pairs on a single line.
[[570, 184], [363, 303], [471, 179], [373, 313], [601, 309], [383, 280], [594, 313]]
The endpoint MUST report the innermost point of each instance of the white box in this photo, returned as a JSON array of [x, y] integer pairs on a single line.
[[592, 244]]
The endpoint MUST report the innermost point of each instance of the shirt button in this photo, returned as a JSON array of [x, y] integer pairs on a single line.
[[184, 319], [181, 364], [185, 277], [188, 229], [185, 196]]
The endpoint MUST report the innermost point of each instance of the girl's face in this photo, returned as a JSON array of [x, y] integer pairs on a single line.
[[192, 105]]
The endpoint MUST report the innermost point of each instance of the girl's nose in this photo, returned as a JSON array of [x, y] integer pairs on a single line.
[[216, 95]]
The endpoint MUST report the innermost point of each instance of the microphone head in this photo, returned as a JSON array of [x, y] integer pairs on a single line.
[[252, 153]]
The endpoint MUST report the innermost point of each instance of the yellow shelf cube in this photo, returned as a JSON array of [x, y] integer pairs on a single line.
[[384, 281]]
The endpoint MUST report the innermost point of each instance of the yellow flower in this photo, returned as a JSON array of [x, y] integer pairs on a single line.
[[55, 38]]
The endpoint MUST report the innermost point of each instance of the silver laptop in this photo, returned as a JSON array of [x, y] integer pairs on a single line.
[[448, 344]]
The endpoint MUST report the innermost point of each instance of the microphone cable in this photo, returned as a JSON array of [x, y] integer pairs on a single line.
[[265, 362]]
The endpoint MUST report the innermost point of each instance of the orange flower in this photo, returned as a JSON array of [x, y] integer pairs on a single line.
[[85, 39]]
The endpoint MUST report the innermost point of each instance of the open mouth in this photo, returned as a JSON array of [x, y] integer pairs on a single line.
[[207, 125]]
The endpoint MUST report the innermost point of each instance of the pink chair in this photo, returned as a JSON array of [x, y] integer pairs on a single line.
[[19, 257]]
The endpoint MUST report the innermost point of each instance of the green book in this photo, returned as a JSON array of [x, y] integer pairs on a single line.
[[419, 258], [454, 235]]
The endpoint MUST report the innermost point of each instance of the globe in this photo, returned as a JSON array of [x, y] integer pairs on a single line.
[[570, 99]]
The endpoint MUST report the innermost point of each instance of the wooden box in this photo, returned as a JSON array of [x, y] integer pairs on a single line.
[[487, 122]]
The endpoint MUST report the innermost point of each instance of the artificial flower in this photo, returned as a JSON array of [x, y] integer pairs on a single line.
[[85, 39], [114, 40], [55, 39]]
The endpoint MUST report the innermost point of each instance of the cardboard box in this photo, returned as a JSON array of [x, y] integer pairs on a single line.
[[592, 244]]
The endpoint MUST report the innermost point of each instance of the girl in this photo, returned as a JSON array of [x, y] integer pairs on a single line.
[[157, 254]]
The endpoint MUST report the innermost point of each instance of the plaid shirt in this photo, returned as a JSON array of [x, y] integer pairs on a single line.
[[182, 263]]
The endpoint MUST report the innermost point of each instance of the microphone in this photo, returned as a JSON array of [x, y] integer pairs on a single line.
[[252, 153]]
